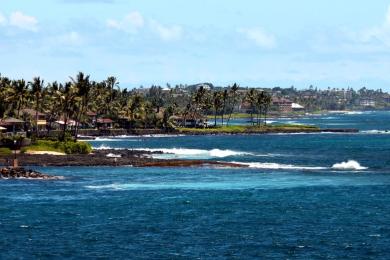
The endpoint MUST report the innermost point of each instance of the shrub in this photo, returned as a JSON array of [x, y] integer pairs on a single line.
[[77, 147], [64, 147], [5, 151]]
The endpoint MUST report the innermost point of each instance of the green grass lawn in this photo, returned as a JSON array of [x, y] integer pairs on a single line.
[[60, 147]]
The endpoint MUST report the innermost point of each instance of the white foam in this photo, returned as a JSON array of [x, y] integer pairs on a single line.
[[106, 139], [349, 165], [354, 112], [375, 131], [185, 152], [161, 135], [278, 166], [111, 155], [103, 147]]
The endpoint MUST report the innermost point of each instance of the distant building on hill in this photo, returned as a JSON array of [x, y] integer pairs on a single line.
[[283, 105], [367, 103]]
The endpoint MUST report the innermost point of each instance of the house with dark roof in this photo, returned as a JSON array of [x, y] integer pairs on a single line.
[[12, 125], [104, 123], [31, 114]]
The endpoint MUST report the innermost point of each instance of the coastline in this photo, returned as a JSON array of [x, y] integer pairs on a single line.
[[113, 158], [93, 134]]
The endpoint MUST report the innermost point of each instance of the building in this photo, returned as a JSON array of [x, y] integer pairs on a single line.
[[367, 103], [283, 105], [12, 125], [91, 119], [104, 123], [194, 120], [297, 107], [31, 113]]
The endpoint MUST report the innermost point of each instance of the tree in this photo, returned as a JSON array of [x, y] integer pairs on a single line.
[[260, 98], [83, 88], [267, 104], [68, 98], [36, 91], [233, 93], [251, 99], [20, 94], [224, 99], [155, 96], [217, 104], [112, 82]]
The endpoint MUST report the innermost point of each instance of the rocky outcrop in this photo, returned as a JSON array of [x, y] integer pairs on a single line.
[[109, 157], [21, 173]]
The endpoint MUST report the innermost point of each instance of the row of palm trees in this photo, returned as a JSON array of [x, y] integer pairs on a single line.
[[224, 102], [69, 100], [73, 100]]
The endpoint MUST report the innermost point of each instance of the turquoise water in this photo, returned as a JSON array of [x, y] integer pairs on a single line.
[[296, 200]]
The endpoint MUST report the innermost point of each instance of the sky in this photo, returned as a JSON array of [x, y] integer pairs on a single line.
[[258, 43]]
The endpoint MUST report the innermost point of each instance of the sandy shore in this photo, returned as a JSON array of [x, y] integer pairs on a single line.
[[44, 152]]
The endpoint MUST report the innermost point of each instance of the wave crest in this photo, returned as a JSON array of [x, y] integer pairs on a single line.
[[185, 152], [276, 166], [349, 165]]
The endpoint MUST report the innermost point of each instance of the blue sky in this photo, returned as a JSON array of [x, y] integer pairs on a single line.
[[255, 43]]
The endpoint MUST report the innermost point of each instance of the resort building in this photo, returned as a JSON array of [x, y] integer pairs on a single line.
[[31, 114], [104, 123], [13, 125], [367, 103], [283, 105]]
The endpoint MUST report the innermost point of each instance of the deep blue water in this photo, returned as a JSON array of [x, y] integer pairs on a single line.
[[295, 201]]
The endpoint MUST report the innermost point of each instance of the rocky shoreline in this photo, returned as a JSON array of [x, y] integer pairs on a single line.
[[148, 132], [109, 157], [21, 173]]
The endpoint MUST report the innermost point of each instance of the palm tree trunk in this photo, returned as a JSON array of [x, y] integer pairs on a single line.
[[252, 111], [231, 111], [36, 120], [215, 117]]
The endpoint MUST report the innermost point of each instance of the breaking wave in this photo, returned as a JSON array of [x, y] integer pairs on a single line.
[[184, 152], [276, 166], [375, 131], [349, 165]]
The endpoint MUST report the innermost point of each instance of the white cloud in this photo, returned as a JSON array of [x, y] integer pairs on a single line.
[[71, 38], [3, 20], [379, 33], [22, 21], [130, 23], [134, 22], [259, 36], [166, 33]]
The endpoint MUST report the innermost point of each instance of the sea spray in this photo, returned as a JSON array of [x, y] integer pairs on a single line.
[[276, 166], [186, 152], [349, 165]]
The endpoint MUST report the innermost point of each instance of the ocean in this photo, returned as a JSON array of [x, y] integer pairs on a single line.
[[303, 196]]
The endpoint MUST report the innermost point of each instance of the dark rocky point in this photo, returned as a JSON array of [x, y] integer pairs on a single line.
[[17, 173]]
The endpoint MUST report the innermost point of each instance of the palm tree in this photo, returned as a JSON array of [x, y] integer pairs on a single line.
[[36, 91], [83, 87], [111, 83], [17, 94], [267, 104], [68, 99], [7, 101], [224, 99], [259, 105], [251, 99], [217, 104], [233, 93]]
